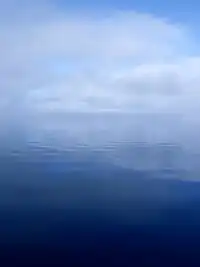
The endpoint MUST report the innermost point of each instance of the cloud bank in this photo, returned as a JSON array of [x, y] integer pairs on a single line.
[[54, 61], [66, 61]]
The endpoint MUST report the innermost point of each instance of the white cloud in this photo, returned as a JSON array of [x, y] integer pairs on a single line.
[[56, 61], [37, 39]]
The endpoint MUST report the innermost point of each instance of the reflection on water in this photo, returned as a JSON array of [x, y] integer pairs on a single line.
[[109, 199]]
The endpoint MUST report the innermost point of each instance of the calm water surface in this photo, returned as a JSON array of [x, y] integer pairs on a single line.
[[117, 204]]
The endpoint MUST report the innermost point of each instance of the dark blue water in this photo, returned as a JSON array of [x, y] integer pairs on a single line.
[[57, 209]]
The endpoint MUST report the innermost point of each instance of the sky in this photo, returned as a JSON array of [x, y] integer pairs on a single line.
[[63, 57]]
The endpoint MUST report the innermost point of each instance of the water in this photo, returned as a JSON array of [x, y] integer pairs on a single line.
[[97, 200]]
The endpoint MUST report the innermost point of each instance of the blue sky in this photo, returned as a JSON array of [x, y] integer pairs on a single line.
[[143, 5], [179, 10]]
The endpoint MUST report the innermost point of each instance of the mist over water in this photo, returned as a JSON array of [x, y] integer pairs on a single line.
[[99, 133]]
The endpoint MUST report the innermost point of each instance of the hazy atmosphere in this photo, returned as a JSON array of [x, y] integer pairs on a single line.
[[99, 133]]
